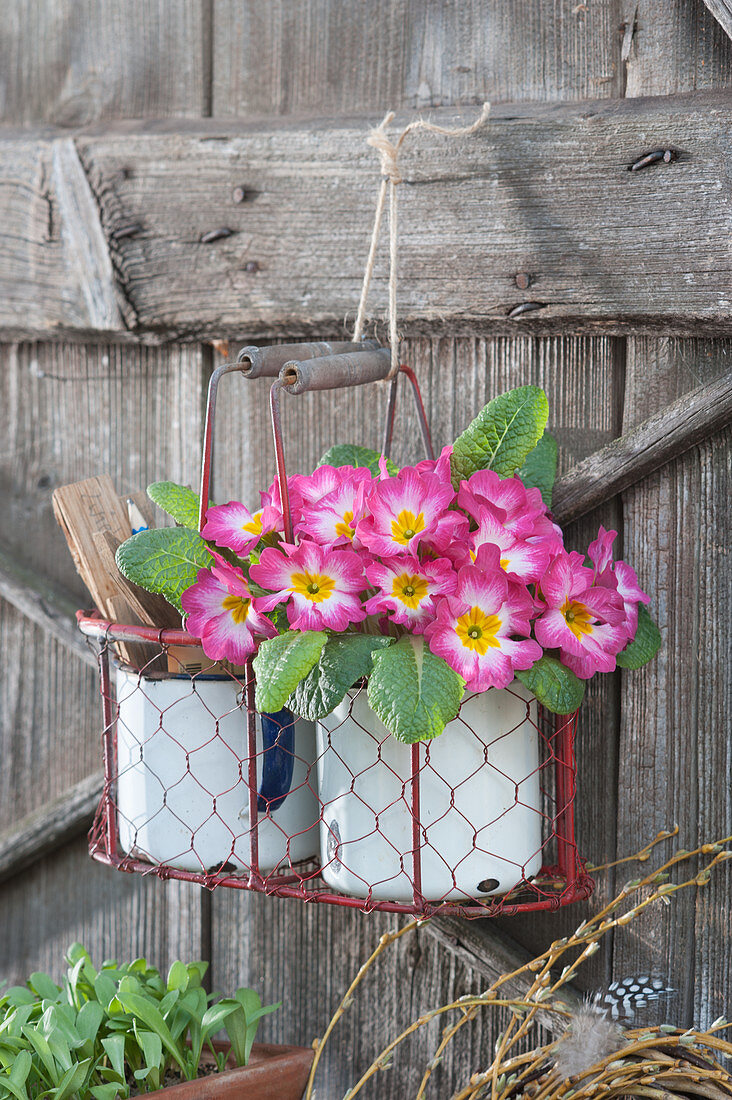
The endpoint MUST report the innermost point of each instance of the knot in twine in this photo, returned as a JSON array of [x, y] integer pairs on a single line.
[[388, 150], [390, 178]]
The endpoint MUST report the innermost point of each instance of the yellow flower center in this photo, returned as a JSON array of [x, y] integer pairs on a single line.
[[315, 587], [504, 563], [238, 606], [410, 588], [406, 526], [577, 617], [477, 631], [254, 527], [347, 526]]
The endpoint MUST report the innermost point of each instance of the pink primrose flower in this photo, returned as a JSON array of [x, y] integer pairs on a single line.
[[321, 586], [271, 498], [522, 511], [526, 560], [220, 612], [235, 527], [439, 466], [585, 621], [332, 520], [405, 510], [617, 576], [408, 589], [474, 629]]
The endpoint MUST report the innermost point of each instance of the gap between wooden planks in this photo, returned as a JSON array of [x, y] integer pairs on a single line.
[[186, 230]]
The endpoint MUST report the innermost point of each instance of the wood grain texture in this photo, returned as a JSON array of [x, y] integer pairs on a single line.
[[675, 735], [677, 427], [64, 414], [722, 12], [540, 190], [311, 960], [677, 46], [326, 57], [44, 604], [71, 62], [67, 898], [67, 413], [41, 833]]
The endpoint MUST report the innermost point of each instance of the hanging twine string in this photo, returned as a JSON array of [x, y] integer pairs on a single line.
[[388, 151]]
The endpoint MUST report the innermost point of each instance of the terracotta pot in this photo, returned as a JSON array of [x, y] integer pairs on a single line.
[[273, 1073]]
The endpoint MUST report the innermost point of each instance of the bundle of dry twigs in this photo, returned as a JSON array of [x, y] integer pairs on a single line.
[[594, 1058]]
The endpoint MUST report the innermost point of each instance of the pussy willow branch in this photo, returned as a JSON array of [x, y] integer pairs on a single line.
[[588, 934], [641, 856]]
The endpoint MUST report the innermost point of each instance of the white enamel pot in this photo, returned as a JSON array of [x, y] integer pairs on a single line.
[[182, 766], [480, 801]]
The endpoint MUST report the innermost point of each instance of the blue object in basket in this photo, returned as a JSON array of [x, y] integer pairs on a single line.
[[278, 761]]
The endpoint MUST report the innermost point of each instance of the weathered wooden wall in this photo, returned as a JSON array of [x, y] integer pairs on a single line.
[[654, 746]]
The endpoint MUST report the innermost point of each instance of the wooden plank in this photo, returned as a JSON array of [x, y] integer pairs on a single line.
[[66, 897], [675, 735], [676, 428], [134, 414], [319, 57], [514, 198], [676, 47], [722, 12], [71, 62], [308, 959], [44, 604], [39, 834], [675, 739]]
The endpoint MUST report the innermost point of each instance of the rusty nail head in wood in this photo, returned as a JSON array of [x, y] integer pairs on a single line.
[[251, 267], [238, 194], [522, 280], [665, 155], [216, 235]]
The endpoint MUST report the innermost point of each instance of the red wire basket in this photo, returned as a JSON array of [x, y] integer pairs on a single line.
[[200, 786]]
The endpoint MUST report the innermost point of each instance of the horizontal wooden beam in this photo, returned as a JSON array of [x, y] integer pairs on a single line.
[[487, 950], [605, 473], [43, 603], [49, 828], [187, 230]]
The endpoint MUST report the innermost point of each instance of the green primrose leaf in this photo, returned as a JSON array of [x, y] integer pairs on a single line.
[[644, 646], [554, 685], [164, 560], [350, 454], [502, 434], [344, 660], [540, 468], [414, 692], [178, 501], [281, 664]]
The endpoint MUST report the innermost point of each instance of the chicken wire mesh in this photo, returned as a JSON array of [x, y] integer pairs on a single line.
[[200, 786]]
